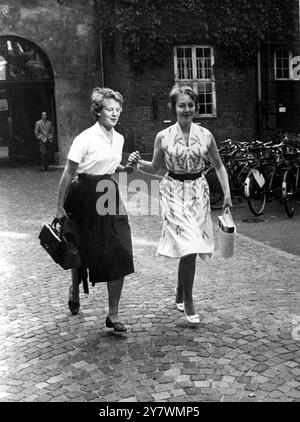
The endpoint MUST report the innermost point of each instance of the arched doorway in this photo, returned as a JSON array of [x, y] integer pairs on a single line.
[[26, 90]]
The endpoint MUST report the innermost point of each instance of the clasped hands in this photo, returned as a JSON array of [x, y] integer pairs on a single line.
[[132, 161]]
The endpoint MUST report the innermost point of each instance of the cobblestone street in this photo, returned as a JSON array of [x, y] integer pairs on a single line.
[[246, 347]]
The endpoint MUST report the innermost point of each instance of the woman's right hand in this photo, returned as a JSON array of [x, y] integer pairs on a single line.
[[60, 213], [227, 202]]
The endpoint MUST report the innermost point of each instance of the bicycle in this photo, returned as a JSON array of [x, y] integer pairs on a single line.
[[290, 183], [237, 161], [255, 182]]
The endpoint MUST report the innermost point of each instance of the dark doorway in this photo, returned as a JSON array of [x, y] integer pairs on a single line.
[[26, 90], [288, 106]]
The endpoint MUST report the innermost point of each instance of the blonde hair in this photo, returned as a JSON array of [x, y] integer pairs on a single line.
[[100, 94]]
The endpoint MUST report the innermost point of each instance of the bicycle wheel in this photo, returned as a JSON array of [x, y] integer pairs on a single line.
[[289, 192], [216, 192], [255, 192]]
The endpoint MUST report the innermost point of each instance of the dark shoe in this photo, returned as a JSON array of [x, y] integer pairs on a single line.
[[117, 326], [74, 307]]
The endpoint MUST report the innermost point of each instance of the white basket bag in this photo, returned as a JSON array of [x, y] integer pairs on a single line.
[[226, 234]]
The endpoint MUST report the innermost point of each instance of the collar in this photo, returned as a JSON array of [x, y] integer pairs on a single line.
[[101, 132], [192, 129]]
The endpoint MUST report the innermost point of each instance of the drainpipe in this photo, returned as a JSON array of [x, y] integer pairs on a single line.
[[299, 17], [101, 58], [259, 105]]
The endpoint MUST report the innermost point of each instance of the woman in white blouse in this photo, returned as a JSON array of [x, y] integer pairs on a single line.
[[104, 235]]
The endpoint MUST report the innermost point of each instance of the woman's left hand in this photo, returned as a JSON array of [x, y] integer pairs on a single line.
[[134, 157], [132, 161], [227, 201]]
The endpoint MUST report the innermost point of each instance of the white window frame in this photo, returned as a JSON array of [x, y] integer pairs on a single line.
[[290, 56], [194, 80]]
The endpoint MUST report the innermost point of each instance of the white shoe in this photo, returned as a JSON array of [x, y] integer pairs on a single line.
[[179, 306], [192, 319]]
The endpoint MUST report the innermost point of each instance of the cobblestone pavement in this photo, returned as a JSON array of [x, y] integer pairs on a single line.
[[246, 347]]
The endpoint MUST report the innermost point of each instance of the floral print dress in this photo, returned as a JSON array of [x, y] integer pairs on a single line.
[[187, 226]]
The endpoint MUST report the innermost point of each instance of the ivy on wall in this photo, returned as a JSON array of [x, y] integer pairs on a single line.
[[150, 28]]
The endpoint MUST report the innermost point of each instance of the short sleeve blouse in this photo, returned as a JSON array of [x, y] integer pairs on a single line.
[[94, 152]]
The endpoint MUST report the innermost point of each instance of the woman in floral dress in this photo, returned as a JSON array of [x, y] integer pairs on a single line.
[[187, 226]]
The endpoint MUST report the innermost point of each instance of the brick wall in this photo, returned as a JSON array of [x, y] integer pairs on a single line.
[[236, 94]]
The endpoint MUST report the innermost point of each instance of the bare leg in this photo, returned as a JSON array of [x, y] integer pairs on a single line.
[[74, 292], [74, 285], [114, 289], [186, 274]]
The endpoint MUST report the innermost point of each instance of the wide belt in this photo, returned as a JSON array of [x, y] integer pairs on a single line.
[[186, 176], [93, 178]]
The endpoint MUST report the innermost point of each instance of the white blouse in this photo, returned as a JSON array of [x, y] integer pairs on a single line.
[[95, 153]]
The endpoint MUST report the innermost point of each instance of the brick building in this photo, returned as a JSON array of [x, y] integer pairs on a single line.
[[229, 96], [51, 56], [238, 102]]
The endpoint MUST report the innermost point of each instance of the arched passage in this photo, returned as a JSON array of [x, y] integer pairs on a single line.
[[26, 90]]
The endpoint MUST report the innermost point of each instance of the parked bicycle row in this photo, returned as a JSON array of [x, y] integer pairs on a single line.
[[260, 172]]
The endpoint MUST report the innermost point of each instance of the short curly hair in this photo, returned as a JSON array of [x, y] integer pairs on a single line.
[[100, 94], [176, 91]]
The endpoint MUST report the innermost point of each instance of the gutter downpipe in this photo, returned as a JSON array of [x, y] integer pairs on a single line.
[[259, 104], [101, 59]]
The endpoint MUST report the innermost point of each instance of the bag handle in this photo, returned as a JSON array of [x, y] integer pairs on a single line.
[[227, 211], [59, 221]]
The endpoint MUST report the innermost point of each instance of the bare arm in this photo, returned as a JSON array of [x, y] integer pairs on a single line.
[[158, 159], [63, 187], [221, 172]]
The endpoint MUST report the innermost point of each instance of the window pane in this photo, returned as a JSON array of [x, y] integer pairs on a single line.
[[184, 63], [207, 52], [205, 94], [203, 60], [282, 70], [188, 52], [180, 52]]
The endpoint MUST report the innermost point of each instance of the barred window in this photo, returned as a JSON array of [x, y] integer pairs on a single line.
[[194, 67]]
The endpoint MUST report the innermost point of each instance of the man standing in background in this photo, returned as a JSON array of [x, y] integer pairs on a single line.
[[44, 132]]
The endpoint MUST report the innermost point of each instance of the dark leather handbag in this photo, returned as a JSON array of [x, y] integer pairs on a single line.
[[60, 247]]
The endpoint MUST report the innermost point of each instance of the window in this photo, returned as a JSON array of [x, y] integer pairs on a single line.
[[194, 67], [287, 64], [282, 64]]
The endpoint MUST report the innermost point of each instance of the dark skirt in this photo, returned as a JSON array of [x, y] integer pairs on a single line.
[[104, 240]]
